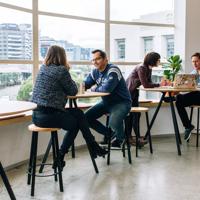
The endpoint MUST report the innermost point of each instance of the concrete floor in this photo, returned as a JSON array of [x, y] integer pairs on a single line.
[[161, 176]]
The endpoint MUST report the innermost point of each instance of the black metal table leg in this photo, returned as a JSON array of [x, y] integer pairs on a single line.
[[149, 133], [71, 102], [75, 104], [6, 183], [177, 135], [155, 114]]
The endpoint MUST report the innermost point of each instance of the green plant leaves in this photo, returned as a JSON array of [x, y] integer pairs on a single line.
[[173, 67]]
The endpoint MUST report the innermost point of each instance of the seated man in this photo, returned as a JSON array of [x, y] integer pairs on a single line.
[[188, 99], [108, 78]]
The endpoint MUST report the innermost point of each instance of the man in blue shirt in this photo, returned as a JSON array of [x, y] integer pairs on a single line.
[[188, 99], [108, 78]]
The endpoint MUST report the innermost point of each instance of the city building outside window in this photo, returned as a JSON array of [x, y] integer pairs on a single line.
[[79, 30]]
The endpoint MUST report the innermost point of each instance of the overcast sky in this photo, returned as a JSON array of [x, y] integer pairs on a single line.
[[79, 32]]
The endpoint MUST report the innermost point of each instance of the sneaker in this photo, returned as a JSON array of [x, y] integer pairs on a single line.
[[188, 132], [117, 144], [104, 142]]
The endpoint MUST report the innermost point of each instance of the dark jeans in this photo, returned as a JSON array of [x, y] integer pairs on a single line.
[[185, 100], [72, 120], [118, 113], [133, 120]]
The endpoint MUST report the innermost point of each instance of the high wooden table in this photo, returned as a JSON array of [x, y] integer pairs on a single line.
[[8, 108], [170, 90], [72, 99]]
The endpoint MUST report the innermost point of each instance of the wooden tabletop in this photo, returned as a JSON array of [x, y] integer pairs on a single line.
[[170, 89], [15, 107], [89, 95]]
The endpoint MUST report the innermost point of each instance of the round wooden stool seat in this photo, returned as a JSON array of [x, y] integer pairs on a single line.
[[33, 127], [139, 109], [195, 106]]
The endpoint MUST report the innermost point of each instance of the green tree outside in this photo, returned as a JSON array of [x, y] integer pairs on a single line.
[[25, 90]]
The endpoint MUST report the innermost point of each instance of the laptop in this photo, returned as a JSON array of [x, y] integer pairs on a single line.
[[185, 81]]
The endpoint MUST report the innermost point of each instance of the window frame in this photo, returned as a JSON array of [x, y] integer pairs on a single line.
[[35, 62]]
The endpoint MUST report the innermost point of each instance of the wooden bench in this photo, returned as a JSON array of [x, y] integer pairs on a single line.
[[17, 118]]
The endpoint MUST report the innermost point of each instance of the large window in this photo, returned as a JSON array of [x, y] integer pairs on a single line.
[[15, 81], [133, 42], [156, 11], [120, 48], [148, 44], [15, 35], [169, 45], [21, 3], [77, 37], [122, 29], [81, 8]]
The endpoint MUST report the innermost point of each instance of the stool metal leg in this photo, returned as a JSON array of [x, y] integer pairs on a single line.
[[197, 142], [54, 155], [149, 133], [35, 142], [30, 161], [55, 138], [6, 183], [109, 146], [124, 150], [191, 115], [128, 147], [73, 150], [137, 134], [45, 156]]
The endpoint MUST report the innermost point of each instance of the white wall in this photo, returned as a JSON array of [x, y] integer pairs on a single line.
[[187, 30]]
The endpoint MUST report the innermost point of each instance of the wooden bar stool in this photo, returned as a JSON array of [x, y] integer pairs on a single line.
[[142, 110], [33, 156], [191, 115], [123, 149]]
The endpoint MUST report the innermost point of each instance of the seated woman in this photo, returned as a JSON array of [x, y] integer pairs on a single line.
[[141, 75], [53, 85]]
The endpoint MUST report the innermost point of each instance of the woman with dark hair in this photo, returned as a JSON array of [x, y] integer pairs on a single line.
[[141, 75], [53, 84]]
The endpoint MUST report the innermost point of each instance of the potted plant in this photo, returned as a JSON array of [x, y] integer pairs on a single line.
[[172, 67]]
